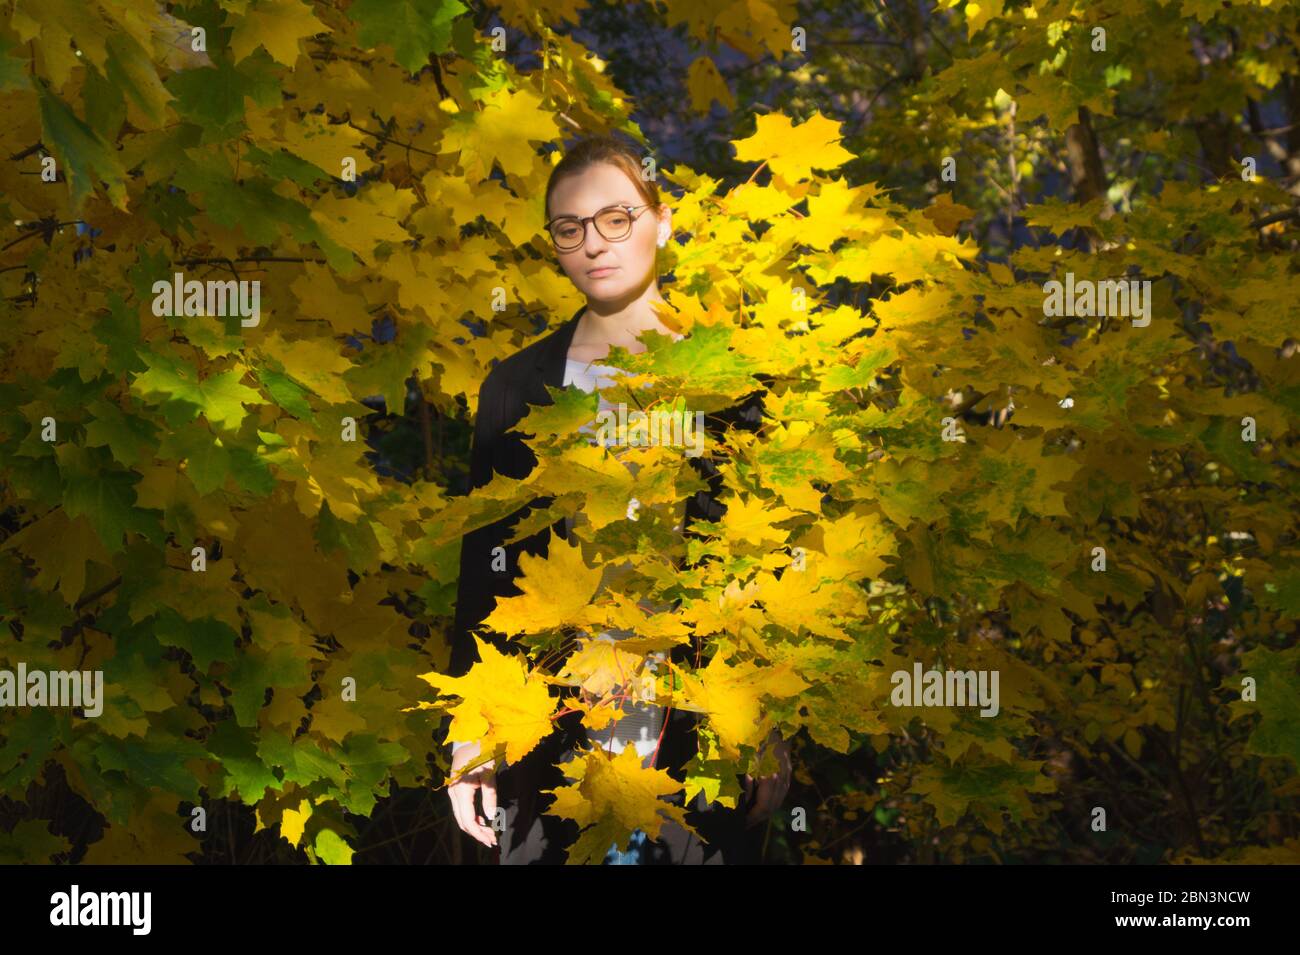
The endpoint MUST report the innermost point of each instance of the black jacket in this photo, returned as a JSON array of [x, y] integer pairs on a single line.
[[509, 388]]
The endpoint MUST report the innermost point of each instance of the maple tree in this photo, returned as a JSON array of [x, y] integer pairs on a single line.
[[1101, 511]]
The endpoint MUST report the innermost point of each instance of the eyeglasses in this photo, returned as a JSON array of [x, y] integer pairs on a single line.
[[613, 222]]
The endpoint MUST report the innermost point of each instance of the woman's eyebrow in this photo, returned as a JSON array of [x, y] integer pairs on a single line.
[[574, 215]]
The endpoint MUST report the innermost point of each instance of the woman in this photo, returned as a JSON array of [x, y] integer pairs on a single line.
[[605, 223]]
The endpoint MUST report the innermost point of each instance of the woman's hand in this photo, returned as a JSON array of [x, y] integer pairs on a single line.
[[463, 790], [771, 790]]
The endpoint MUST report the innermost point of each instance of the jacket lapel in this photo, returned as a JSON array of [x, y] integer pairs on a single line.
[[549, 363]]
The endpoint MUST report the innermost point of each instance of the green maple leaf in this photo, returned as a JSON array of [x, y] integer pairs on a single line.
[[369, 762], [303, 761], [251, 471], [206, 639], [118, 330], [571, 408], [212, 97], [157, 760], [236, 749], [953, 790], [1060, 216], [703, 359], [1277, 689], [13, 71], [332, 849], [131, 70], [105, 107], [255, 670], [357, 541], [207, 461], [978, 76], [220, 398], [104, 496], [863, 373], [81, 152], [1283, 592], [384, 368], [286, 393], [130, 439], [28, 741], [251, 204], [1223, 440], [283, 164], [1103, 395], [31, 841], [413, 28]]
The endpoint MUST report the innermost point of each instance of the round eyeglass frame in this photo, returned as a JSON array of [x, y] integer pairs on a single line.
[[583, 220]]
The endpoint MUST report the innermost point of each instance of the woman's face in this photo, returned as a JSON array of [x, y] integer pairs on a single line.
[[629, 263]]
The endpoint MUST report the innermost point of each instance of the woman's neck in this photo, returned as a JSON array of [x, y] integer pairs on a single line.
[[599, 330]]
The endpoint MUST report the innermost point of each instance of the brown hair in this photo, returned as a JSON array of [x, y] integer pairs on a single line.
[[594, 149]]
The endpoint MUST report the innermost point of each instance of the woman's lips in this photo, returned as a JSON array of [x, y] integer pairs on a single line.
[[602, 272]]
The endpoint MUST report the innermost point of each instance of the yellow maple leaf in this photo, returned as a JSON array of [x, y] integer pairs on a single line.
[[706, 84], [361, 222], [912, 308], [149, 837], [502, 703], [946, 214], [596, 714], [752, 25], [662, 629], [731, 697], [600, 475], [728, 612], [60, 547], [797, 600], [836, 211], [978, 14], [334, 718], [600, 665], [793, 152], [319, 295], [313, 137], [613, 796], [752, 202], [539, 14], [294, 821], [504, 130], [750, 519], [556, 592], [277, 25], [57, 23], [907, 258], [315, 363]]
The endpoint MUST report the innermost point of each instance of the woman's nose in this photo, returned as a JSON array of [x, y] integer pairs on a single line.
[[593, 238]]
